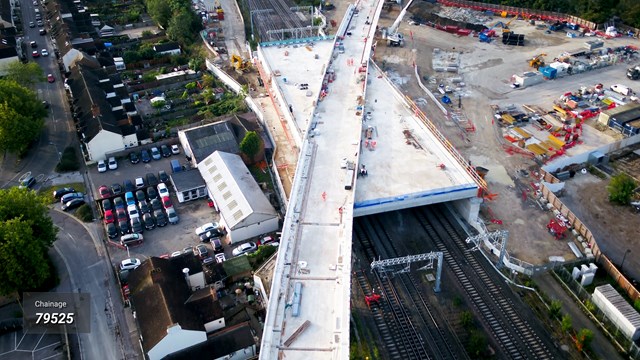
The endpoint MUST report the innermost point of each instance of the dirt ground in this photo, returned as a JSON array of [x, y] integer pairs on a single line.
[[486, 69]]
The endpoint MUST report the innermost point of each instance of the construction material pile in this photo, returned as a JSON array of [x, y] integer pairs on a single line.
[[465, 15]]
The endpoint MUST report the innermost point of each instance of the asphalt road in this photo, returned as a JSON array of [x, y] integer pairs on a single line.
[[41, 160]]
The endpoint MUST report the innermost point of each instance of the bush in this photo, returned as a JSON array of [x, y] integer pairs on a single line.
[[621, 189], [259, 257], [84, 213], [68, 161]]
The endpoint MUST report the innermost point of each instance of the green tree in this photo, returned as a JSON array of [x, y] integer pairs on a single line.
[[621, 188], [566, 323], [26, 75], [554, 309], [26, 233], [250, 145], [477, 344], [160, 11], [466, 319], [636, 304], [183, 26], [584, 339], [21, 117]]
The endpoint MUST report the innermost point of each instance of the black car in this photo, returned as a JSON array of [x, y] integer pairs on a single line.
[[161, 218], [106, 205], [144, 154], [163, 176], [70, 205], [152, 180], [140, 196], [124, 227], [118, 202], [112, 231], [149, 221], [144, 206], [217, 245], [43, 32], [209, 235], [136, 225], [156, 204], [133, 157], [116, 189], [166, 152], [58, 193], [152, 193], [128, 186]]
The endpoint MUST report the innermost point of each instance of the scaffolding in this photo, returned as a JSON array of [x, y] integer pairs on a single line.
[[279, 20]]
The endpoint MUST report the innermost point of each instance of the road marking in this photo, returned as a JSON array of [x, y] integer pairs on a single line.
[[96, 264]]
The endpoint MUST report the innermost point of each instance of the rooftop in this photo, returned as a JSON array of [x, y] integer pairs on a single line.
[[187, 180], [204, 140]]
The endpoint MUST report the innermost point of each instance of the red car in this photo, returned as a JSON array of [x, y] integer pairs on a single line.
[[104, 191], [121, 214], [35, 54], [50, 78], [108, 217], [166, 202]]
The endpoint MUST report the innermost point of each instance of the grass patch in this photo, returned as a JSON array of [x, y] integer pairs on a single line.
[[47, 192], [84, 213]]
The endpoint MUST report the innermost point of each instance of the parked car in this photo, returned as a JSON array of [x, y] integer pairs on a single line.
[[44, 52], [106, 205], [71, 196], [187, 250], [207, 260], [201, 251], [245, 248], [35, 54], [176, 253], [133, 211], [209, 235], [149, 221], [144, 206], [162, 175], [156, 204], [113, 164], [112, 231], [155, 153], [128, 186], [161, 218], [139, 183], [220, 258], [152, 193], [116, 189], [121, 214], [130, 264], [268, 240], [109, 217], [102, 166], [217, 245], [166, 152], [163, 190], [144, 155], [104, 191], [140, 196], [43, 32], [118, 203], [124, 227], [136, 225], [58, 193], [152, 180], [175, 150], [166, 203], [32, 24], [172, 215], [72, 204], [133, 157], [207, 227], [50, 77], [128, 197], [27, 182]]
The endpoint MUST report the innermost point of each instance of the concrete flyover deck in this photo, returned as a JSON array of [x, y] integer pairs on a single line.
[[308, 312], [406, 163]]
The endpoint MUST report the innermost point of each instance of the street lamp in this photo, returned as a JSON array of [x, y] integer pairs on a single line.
[[623, 258], [129, 255]]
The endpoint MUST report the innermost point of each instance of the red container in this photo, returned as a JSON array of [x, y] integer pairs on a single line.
[[451, 29], [464, 32]]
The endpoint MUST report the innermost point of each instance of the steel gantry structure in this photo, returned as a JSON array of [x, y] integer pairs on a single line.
[[276, 20], [407, 260]]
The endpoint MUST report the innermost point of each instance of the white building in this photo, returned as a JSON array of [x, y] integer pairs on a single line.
[[244, 209]]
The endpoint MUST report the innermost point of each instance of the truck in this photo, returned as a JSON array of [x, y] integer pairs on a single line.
[[633, 73], [175, 166]]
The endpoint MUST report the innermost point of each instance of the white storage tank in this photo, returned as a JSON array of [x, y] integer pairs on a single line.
[[587, 279], [593, 268], [575, 273], [618, 310]]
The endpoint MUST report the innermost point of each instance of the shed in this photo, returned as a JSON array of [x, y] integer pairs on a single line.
[[189, 185], [618, 310]]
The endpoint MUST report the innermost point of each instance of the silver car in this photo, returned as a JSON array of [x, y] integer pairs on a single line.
[[173, 216]]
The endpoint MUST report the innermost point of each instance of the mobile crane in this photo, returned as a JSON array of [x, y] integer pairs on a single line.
[[391, 34], [537, 61]]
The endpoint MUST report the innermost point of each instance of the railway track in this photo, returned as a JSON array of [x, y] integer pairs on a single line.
[[491, 298]]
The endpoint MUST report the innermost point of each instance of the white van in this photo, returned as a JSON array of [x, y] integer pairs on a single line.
[[621, 89]]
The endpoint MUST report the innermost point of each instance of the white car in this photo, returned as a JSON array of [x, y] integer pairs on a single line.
[[176, 253], [113, 164], [102, 166], [44, 52], [220, 258], [175, 150], [163, 190], [206, 227], [130, 264], [173, 216], [133, 211], [244, 249]]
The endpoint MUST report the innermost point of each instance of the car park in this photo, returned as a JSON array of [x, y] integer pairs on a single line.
[[166, 152], [113, 164], [51, 78], [163, 190], [116, 189], [71, 196], [244, 249], [104, 191], [166, 203], [44, 52], [58, 193], [210, 235], [109, 217], [207, 227], [133, 211], [220, 258], [27, 182], [72, 204], [144, 155], [175, 150], [128, 186], [144, 206], [112, 231], [128, 196], [161, 218], [118, 203], [140, 196], [124, 227], [201, 251], [136, 225], [106, 205], [133, 157], [172, 215], [130, 264], [155, 153], [152, 193], [149, 221], [139, 183], [162, 175], [156, 204], [152, 180], [102, 166]]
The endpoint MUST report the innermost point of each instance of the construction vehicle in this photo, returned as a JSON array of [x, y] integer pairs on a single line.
[[633, 73], [505, 27], [391, 33], [327, 5], [537, 61], [219, 10], [239, 64]]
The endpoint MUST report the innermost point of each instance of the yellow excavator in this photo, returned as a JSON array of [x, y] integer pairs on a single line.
[[240, 64], [537, 61]]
